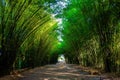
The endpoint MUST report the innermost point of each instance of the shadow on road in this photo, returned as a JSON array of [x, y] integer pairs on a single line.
[[59, 72]]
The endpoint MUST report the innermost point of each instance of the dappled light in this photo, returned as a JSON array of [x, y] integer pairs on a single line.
[[53, 72], [60, 39]]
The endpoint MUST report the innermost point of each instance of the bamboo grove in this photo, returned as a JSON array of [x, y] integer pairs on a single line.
[[90, 32], [25, 36]]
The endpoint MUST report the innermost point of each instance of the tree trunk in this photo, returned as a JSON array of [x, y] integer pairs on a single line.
[[7, 60], [105, 47]]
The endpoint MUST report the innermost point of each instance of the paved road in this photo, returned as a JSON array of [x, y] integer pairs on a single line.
[[58, 72]]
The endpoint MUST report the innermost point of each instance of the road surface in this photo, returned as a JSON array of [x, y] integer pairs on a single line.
[[59, 72]]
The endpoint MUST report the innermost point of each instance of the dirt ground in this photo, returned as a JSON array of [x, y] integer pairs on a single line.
[[58, 72]]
